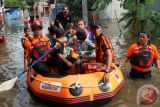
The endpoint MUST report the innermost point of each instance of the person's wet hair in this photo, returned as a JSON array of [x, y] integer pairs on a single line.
[[81, 20], [26, 28], [145, 32], [35, 26], [81, 35], [69, 25], [52, 29], [59, 33]]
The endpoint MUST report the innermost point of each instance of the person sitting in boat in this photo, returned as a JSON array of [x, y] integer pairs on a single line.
[[81, 25], [70, 32], [52, 34], [27, 36], [85, 48], [62, 60], [40, 45], [27, 45], [104, 49], [141, 55]]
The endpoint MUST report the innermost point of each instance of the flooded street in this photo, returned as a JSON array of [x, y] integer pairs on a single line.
[[11, 63]]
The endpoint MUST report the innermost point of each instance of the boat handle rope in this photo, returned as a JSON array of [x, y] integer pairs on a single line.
[[77, 85], [73, 87]]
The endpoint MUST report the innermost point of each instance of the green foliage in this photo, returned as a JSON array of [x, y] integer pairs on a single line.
[[139, 12], [149, 2], [15, 3], [129, 5], [11, 3], [143, 12], [100, 4]]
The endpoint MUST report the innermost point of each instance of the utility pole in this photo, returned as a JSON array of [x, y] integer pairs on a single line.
[[85, 12]]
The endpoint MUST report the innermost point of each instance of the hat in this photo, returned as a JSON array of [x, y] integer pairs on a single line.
[[34, 26], [94, 23], [65, 7]]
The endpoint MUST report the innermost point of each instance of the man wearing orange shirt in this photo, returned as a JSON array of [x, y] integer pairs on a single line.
[[141, 55]]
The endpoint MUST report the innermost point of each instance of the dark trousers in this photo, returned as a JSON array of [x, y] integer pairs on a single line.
[[60, 64], [137, 74], [42, 68]]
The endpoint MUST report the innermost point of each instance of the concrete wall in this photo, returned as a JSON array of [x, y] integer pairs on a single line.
[[109, 11], [156, 5]]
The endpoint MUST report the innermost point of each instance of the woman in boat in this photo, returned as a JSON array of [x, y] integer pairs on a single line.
[[85, 47], [81, 25], [141, 56]]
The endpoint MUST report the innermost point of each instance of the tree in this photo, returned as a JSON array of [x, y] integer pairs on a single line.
[[139, 14], [16, 3]]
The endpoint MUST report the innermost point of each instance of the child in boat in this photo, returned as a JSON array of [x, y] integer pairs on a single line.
[[85, 47], [27, 45], [62, 61], [70, 32]]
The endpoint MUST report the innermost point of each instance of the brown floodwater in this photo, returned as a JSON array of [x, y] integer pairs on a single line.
[[11, 63]]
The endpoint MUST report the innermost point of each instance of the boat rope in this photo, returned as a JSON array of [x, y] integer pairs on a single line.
[[77, 83], [73, 87]]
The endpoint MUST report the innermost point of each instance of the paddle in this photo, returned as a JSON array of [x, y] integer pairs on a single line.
[[7, 85]]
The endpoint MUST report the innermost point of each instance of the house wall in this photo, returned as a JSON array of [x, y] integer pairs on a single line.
[[109, 11]]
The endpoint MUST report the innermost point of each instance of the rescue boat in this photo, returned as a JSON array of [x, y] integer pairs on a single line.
[[75, 87]]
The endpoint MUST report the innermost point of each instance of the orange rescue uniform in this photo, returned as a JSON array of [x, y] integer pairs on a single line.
[[135, 49], [103, 43]]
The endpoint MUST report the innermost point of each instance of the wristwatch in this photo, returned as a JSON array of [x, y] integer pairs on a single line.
[[107, 71]]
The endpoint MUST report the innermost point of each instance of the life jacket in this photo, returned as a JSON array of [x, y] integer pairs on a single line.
[[39, 50], [143, 59], [26, 41], [100, 54]]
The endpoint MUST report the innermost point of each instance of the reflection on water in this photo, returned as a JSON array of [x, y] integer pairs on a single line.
[[11, 63]]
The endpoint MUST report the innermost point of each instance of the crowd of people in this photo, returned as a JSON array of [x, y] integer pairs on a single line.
[[73, 44]]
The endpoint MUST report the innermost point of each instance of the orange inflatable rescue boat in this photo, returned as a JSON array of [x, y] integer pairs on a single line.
[[76, 87]]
